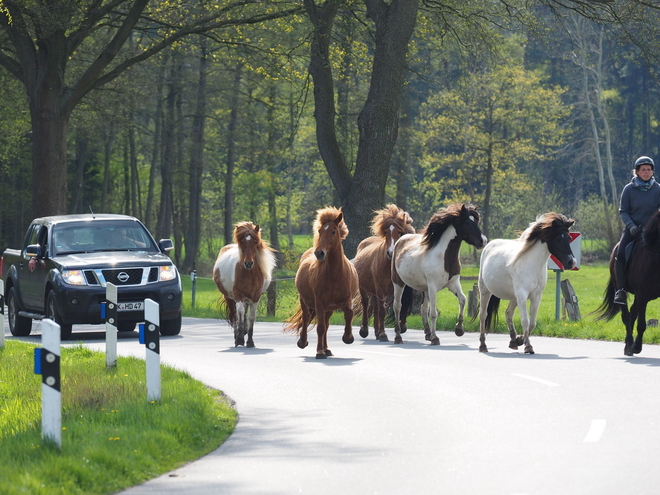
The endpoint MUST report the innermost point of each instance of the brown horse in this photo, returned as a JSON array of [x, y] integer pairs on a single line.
[[373, 263], [326, 281], [242, 273]]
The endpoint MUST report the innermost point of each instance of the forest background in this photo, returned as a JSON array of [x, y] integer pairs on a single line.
[[193, 115]]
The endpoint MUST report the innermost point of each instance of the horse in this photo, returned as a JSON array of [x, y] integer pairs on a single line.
[[429, 261], [516, 270], [374, 266], [326, 281], [242, 272], [641, 280]]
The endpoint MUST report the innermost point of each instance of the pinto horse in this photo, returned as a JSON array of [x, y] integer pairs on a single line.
[[516, 270], [326, 281], [641, 280], [373, 263], [429, 262], [242, 272]]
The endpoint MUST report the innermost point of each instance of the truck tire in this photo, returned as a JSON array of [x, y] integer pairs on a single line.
[[51, 312], [171, 327], [20, 326]]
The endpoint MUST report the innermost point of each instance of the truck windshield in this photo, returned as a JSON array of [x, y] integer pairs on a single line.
[[101, 236]]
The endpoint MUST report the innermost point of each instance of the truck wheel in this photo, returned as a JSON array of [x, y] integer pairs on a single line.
[[51, 312], [20, 326], [171, 327]]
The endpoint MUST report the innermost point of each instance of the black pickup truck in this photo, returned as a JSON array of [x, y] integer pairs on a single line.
[[66, 261]]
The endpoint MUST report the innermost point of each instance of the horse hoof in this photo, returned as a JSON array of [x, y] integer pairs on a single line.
[[348, 339], [383, 338], [459, 332], [398, 340], [513, 345], [328, 352], [302, 344], [435, 341], [520, 340], [529, 350], [483, 348], [321, 356], [364, 332], [250, 344], [628, 352], [404, 329]]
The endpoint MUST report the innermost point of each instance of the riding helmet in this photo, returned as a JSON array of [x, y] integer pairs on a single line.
[[644, 160]]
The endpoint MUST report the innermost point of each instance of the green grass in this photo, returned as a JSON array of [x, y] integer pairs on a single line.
[[112, 438], [589, 283]]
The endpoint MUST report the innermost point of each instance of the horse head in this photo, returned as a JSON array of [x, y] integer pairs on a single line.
[[329, 231], [246, 236], [467, 227], [391, 223], [553, 230]]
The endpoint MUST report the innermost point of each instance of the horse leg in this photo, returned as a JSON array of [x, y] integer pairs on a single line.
[[364, 327], [629, 348], [638, 308], [306, 318], [379, 321], [454, 286], [251, 316], [516, 339], [396, 306], [323, 320], [484, 297], [529, 321], [239, 329], [424, 309], [432, 298], [347, 338]]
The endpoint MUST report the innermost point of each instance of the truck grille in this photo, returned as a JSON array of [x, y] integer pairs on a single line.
[[122, 276], [129, 276]]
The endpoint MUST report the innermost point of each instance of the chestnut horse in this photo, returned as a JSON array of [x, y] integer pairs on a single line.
[[326, 281], [516, 270], [242, 272], [430, 261], [641, 280], [373, 263]]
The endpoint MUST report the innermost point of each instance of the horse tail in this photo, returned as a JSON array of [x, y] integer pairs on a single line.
[[406, 302], [357, 305], [607, 309], [491, 313], [294, 323], [227, 309]]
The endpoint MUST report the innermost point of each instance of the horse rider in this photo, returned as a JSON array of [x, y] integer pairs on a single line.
[[640, 199]]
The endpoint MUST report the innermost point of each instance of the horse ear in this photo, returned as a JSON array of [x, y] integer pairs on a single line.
[[256, 228], [339, 218]]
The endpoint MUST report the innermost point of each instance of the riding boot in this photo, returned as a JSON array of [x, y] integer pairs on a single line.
[[620, 294]]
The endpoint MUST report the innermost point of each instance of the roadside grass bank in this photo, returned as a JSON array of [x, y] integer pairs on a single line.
[[589, 283], [112, 437]]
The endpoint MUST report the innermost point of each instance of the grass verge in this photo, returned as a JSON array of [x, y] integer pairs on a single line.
[[112, 437]]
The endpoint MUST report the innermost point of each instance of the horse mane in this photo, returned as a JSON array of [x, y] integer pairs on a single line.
[[265, 255], [543, 229], [443, 218], [652, 232], [389, 215], [329, 214]]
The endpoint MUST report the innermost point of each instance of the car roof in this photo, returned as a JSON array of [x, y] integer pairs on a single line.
[[85, 217]]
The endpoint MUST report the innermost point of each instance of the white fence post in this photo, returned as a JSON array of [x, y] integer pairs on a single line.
[[150, 336], [2, 313], [111, 325], [47, 364]]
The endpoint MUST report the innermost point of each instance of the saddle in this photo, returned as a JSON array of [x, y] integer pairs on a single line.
[[630, 250]]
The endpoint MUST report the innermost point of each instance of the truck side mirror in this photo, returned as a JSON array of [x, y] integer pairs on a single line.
[[165, 245], [34, 251]]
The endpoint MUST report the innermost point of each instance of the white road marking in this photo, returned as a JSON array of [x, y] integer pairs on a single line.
[[537, 380], [596, 430]]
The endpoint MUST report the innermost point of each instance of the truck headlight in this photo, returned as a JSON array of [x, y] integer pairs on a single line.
[[74, 277], [167, 273]]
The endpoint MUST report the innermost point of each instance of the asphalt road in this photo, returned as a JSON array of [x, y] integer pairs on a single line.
[[575, 418]]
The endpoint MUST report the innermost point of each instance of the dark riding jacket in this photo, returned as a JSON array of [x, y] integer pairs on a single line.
[[638, 206]]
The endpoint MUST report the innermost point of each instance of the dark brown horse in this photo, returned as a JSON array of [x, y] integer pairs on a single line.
[[242, 273], [641, 280], [326, 281], [373, 263]]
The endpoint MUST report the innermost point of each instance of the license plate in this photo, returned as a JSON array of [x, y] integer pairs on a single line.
[[130, 306]]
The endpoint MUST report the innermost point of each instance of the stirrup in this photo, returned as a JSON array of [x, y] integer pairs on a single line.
[[620, 297]]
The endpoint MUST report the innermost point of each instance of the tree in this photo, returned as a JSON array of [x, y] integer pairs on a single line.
[[43, 41]]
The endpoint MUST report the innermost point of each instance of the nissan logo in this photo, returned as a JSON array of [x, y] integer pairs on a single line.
[[123, 277]]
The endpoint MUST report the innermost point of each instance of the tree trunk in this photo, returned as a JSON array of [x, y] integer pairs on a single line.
[[231, 154]]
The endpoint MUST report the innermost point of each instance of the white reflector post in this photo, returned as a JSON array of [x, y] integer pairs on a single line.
[[152, 343], [2, 313], [51, 395], [110, 325]]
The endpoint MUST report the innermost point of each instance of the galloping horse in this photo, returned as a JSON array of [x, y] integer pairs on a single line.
[[242, 273], [429, 262], [516, 270], [641, 280], [373, 263], [326, 281]]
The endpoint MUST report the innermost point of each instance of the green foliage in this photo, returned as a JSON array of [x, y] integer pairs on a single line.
[[112, 438]]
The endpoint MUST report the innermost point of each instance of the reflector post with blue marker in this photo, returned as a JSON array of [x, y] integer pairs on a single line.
[[109, 312], [150, 337], [47, 364], [2, 313]]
